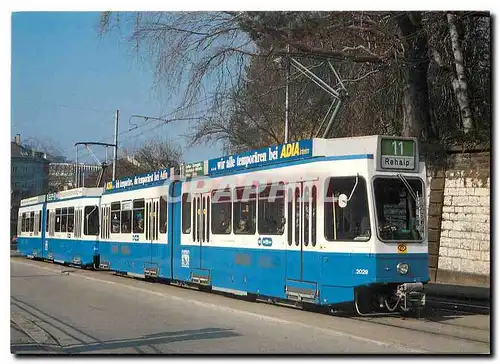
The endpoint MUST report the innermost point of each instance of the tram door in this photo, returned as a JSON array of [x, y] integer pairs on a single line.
[[201, 224], [152, 225], [301, 230]]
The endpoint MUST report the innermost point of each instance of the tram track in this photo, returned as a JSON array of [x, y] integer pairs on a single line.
[[481, 307]]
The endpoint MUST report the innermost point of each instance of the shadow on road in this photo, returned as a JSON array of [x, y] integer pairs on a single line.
[[97, 346]]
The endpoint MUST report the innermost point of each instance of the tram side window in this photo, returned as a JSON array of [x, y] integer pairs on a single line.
[[221, 211], [272, 209], [58, 220], [40, 221], [163, 214], [313, 215], [64, 219], [126, 217], [244, 208], [138, 216], [91, 223], [351, 222], [47, 220], [32, 221], [186, 213], [71, 219], [289, 216], [23, 222], [115, 217]]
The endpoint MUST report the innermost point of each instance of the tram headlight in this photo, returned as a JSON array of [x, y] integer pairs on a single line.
[[402, 268]]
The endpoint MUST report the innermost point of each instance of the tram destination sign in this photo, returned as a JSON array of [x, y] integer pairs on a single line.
[[262, 157], [397, 153], [194, 169]]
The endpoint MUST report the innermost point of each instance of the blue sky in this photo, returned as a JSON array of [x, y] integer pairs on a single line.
[[67, 81]]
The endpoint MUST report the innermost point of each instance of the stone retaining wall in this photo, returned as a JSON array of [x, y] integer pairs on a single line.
[[459, 216]]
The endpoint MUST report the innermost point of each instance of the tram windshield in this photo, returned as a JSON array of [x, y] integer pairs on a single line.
[[400, 208]]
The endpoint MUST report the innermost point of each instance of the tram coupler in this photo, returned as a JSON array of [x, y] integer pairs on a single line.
[[412, 295]]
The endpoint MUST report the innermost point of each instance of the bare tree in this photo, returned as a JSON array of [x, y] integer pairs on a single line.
[[460, 82], [225, 58], [153, 155]]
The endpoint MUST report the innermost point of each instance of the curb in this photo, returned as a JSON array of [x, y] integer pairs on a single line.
[[458, 291]]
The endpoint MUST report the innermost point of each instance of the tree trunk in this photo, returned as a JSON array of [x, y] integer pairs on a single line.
[[416, 115], [460, 82]]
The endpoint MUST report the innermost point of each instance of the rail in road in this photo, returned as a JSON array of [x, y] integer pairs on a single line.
[[178, 316]]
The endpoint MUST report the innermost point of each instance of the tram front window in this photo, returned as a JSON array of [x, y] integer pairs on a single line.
[[400, 208]]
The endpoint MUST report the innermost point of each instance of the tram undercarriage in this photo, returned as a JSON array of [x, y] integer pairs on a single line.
[[386, 299]]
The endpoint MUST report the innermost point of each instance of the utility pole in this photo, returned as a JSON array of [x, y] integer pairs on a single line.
[[286, 91], [115, 154]]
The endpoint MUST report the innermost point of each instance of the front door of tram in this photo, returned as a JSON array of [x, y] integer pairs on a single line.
[[201, 225], [301, 231]]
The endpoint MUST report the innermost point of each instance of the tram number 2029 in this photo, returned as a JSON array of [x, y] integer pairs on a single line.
[[362, 271]]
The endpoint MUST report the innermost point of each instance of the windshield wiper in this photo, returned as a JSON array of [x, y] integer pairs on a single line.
[[408, 186]]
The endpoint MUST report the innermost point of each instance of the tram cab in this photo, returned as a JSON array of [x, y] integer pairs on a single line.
[[30, 232]]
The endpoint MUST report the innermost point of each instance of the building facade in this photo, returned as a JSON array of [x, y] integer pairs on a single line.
[[29, 176]]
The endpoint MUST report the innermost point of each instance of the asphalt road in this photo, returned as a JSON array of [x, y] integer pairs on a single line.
[[56, 309]]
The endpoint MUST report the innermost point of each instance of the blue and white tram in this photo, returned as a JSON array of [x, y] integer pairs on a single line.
[[320, 221], [30, 227], [134, 227], [317, 221], [72, 235]]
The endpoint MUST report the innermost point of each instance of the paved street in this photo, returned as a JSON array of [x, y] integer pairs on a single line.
[[57, 309]]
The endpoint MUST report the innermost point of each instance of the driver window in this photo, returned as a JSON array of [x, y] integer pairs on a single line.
[[352, 221]]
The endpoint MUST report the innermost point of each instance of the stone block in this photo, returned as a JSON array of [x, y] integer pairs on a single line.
[[435, 209], [447, 242], [433, 261], [466, 244], [445, 263], [437, 183], [446, 225], [436, 197], [485, 256], [433, 235], [467, 266], [434, 249], [468, 209], [482, 227], [447, 209], [484, 246], [443, 251], [434, 223], [460, 201], [473, 255], [447, 201], [453, 253], [481, 192], [480, 218]]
